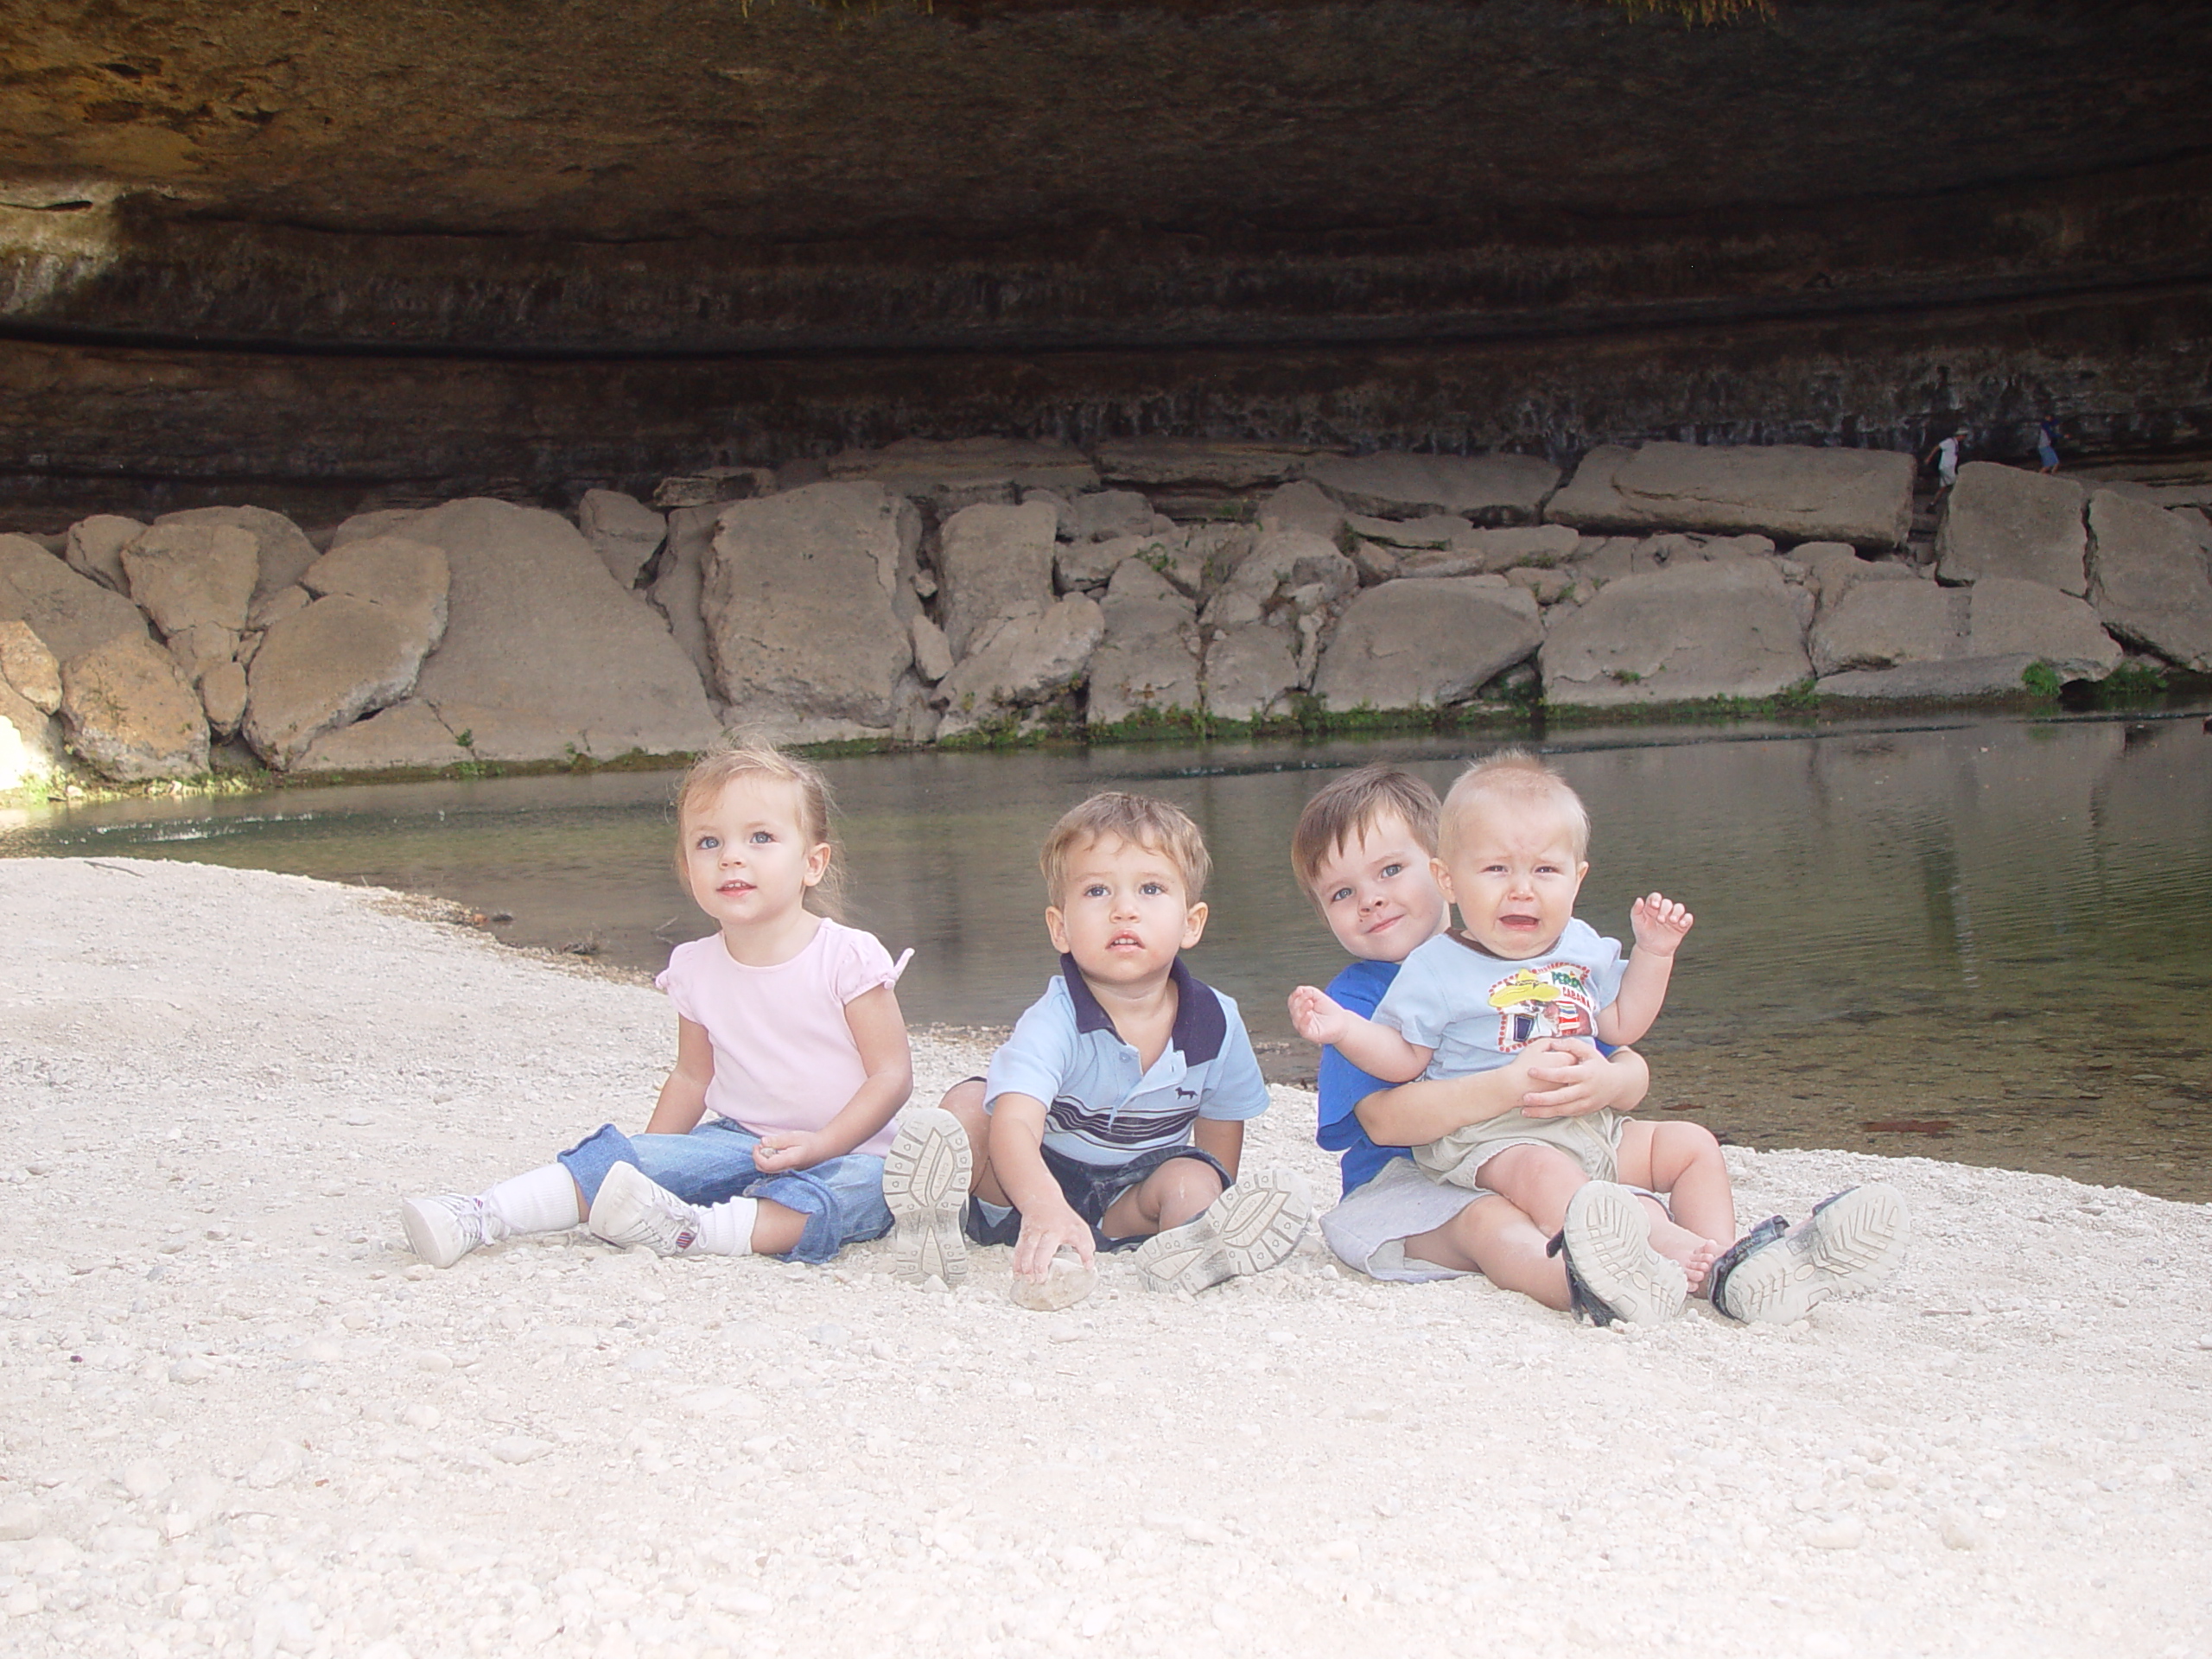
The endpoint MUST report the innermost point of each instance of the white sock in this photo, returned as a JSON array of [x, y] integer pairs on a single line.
[[727, 1229], [543, 1201]]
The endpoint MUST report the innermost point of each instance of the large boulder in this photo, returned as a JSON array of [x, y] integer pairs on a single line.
[[996, 561], [1101, 515], [1252, 668], [2148, 579], [1285, 569], [1020, 661], [1427, 644], [95, 548], [1303, 506], [1882, 625], [409, 735], [1146, 663], [1718, 628], [328, 665], [130, 714], [1486, 489], [2009, 618], [623, 530], [71, 613], [954, 472], [196, 580], [1788, 491], [2003, 521], [544, 657], [806, 599], [378, 521], [380, 607], [282, 548], [396, 572]]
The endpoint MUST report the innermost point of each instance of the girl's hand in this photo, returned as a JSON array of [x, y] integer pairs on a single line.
[[1659, 923], [1316, 1015], [787, 1149]]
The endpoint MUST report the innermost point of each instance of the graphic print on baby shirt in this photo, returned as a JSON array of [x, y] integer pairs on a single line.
[[1551, 1001]]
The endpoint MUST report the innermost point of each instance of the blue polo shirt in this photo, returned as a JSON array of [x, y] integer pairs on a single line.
[[1102, 1107]]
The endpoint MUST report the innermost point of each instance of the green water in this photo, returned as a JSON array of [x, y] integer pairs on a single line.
[[1989, 941]]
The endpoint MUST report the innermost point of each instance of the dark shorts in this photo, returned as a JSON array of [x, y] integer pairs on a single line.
[[1090, 1190]]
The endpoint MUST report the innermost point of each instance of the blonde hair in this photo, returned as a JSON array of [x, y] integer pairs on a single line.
[[1515, 778], [1160, 825], [1342, 811], [716, 769]]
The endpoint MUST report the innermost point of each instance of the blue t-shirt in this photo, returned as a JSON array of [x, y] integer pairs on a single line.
[[1343, 1085]]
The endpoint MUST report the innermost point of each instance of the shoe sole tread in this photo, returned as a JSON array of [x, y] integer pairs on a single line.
[[926, 1178]]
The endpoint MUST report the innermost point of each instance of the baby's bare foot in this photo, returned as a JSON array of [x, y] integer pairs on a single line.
[[1698, 1264], [1694, 1254]]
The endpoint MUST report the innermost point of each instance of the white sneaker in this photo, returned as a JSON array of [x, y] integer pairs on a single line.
[[444, 1228], [1613, 1272], [1248, 1228], [926, 1178], [632, 1208], [1851, 1242]]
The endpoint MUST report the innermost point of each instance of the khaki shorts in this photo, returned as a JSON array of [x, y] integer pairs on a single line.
[[1592, 1140]]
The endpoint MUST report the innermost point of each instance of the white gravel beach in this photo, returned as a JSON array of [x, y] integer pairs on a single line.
[[240, 1418]]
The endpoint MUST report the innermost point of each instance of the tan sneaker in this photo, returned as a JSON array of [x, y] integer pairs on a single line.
[[1250, 1228]]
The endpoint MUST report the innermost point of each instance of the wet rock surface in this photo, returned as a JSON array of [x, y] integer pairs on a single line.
[[1704, 629]]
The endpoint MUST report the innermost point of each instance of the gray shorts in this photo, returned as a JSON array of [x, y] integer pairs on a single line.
[[1369, 1228]]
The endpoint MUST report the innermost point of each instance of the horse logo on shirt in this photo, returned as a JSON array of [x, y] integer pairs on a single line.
[[1553, 1001]]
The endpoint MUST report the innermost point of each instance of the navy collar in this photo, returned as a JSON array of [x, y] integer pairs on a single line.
[[1200, 1026]]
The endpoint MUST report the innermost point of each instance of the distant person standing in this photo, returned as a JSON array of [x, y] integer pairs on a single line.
[[1945, 454], [2047, 445]]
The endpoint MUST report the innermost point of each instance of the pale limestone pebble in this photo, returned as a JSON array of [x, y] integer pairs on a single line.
[[20, 1518], [519, 1448], [143, 1476]]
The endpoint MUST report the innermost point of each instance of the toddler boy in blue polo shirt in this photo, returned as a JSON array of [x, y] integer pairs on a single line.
[[1114, 1117]]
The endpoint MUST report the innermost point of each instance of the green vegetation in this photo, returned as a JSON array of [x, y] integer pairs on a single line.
[[2041, 681]]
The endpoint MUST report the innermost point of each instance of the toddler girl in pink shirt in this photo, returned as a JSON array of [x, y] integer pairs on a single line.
[[770, 1134]]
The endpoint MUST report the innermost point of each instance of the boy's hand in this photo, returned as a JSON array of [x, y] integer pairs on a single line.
[[1659, 923], [786, 1149], [1572, 1078], [1044, 1235], [1317, 1016]]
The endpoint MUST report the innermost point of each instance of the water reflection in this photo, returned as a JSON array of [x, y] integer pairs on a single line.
[[1988, 940]]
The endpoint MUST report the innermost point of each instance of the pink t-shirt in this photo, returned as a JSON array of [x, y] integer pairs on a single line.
[[783, 1056]]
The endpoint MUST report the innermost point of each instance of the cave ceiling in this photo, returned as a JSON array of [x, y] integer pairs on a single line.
[[617, 176]]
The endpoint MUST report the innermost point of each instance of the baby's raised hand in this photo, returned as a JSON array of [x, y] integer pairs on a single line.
[[1659, 923], [1317, 1016]]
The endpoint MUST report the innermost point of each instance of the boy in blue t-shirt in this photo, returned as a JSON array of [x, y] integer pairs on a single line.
[[1362, 850]]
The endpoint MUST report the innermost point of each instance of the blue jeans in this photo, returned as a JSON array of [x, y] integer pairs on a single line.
[[842, 1197]]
